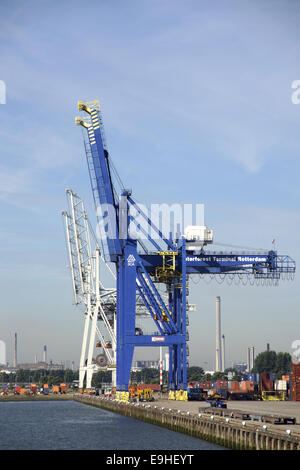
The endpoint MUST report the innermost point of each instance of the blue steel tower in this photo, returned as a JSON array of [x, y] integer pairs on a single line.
[[140, 270]]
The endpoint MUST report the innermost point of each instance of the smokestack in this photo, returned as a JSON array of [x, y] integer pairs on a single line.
[[223, 353], [248, 359], [45, 354], [268, 347], [252, 358], [15, 354], [218, 334]]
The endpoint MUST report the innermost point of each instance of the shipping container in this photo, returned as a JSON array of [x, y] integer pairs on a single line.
[[247, 385], [265, 383], [63, 388], [280, 385], [222, 384], [253, 377], [235, 386]]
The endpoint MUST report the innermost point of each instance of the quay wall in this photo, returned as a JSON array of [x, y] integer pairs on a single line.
[[229, 433]]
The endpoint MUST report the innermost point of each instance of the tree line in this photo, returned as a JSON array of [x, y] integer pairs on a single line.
[[268, 361], [39, 377]]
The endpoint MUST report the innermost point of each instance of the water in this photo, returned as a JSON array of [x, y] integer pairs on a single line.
[[71, 425]]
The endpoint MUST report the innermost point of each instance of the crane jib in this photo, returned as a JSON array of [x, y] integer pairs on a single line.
[[104, 187]]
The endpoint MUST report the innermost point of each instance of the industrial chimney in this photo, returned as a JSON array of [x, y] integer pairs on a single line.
[[223, 353], [248, 360], [218, 334], [15, 354], [252, 358], [45, 354]]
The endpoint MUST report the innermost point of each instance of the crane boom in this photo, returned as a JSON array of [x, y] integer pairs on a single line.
[[101, 178]]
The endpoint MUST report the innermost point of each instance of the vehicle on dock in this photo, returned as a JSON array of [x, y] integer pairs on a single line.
[[196, 394], [273, 395], [216, 403]]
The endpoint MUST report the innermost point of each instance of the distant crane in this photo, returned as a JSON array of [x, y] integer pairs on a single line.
[[169, 262], [99, 302]]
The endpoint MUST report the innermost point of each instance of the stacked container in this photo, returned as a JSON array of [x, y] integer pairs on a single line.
[[63, 388], [247, 386], [295, 382], [280, 385], [235, 386], [266, 383], [222, 384]]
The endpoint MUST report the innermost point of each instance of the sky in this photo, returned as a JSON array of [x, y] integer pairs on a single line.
[[197, 105]]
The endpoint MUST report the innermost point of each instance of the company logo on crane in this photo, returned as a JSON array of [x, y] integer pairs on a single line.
[[131, 260]]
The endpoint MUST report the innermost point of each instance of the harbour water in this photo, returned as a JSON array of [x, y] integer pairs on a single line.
[[67, 425]]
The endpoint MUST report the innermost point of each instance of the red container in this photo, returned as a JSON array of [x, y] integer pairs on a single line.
[[222, 384], [235, 386], [63, 388], [154, 387], [265, 384]]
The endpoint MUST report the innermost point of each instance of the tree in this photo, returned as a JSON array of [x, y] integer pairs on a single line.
[[218, 376], [101, 377], [195, 374], [206, 378], [273, 363], [283, 364]]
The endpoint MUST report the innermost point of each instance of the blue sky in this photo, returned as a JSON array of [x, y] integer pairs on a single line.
[[196, 99]]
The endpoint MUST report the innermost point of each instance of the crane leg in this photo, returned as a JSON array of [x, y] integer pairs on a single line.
[[126, 299]]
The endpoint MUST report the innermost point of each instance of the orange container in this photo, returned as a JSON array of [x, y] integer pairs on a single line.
[[63, 388], [55, 389], [235, 386], [22, 391]]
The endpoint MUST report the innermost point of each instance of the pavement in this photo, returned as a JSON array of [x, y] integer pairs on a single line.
[[285, 408]]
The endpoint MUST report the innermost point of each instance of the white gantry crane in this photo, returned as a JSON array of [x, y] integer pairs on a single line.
[[99, 302]]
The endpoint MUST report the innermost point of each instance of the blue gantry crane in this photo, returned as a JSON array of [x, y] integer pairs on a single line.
[[169, 262]]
